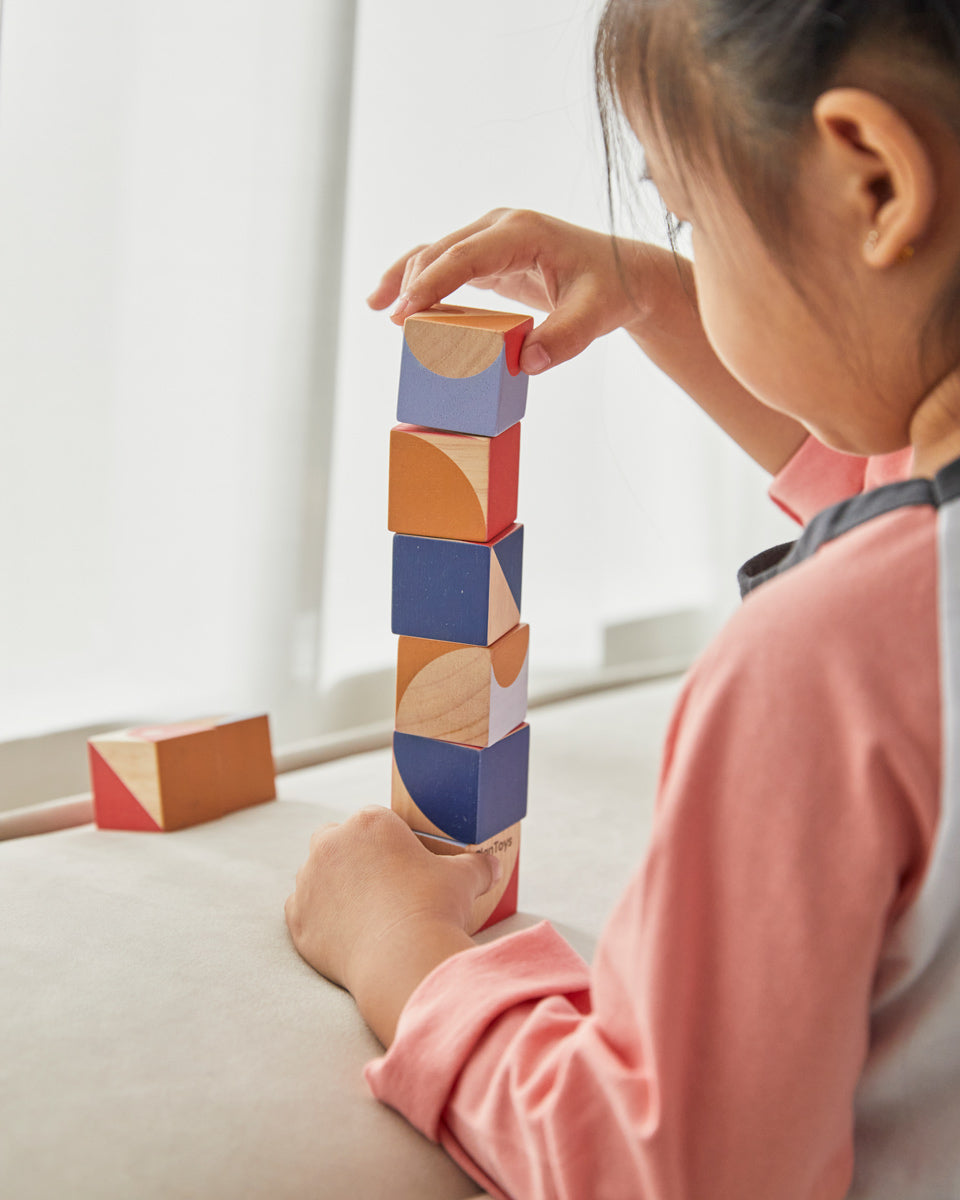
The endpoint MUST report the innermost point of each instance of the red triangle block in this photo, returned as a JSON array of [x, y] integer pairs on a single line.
[[114, 805], [507, 904]]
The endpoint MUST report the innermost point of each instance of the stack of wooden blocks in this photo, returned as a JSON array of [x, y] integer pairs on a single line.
[[461, 742]]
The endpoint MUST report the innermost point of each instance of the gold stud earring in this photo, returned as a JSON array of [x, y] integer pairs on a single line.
[[905, 254]]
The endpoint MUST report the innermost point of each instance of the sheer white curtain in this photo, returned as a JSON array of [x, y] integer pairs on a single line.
[[170, 239], [195, 198]]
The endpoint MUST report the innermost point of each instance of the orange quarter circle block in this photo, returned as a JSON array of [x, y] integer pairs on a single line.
[[167, 777], [453, 485]]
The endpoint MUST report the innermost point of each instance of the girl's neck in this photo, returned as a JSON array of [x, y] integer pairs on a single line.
[[935, 426]]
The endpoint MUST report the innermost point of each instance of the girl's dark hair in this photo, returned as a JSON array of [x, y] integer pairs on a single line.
[[733, 83]]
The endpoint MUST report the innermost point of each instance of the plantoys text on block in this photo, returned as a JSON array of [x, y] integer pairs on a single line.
[[501, 900], [474, 695], [167, 777], [453, 485], [458, 791], [460, 370], [457, 591]]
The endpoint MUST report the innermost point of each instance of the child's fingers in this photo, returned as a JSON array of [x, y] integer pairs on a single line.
[[498, 243], [468, 876], [320, 833], [430, 277], [388, 289], [565, 332], [395, 277]]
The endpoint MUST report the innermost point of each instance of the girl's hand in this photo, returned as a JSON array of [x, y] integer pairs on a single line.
[[589, 285], [539, 262], [375, 912]]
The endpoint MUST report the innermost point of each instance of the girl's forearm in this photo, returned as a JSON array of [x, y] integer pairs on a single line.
[[670, 333], [387, 973]]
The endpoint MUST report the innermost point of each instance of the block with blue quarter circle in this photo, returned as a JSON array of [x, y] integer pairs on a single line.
[[460, 370], [457, 591], [460, 792]]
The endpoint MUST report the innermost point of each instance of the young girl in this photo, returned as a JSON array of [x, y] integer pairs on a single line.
[[774, 1007]]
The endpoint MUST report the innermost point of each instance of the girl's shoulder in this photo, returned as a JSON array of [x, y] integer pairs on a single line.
[[859, 572], [848, 633], [818, 706]]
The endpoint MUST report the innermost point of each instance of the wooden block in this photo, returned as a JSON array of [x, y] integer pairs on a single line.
[[167, 777], [460, 693], [457, 591], [453, 485], [501, 900], [460, 370], [457, 791]]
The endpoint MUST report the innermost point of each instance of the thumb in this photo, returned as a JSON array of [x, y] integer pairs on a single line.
[[564, 334], [479, 871]]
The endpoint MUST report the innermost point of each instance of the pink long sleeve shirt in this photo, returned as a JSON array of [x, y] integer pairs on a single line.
[[749, 1025]]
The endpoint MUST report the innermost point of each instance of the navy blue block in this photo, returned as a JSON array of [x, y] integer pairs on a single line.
[[442, 588], [469, 794]]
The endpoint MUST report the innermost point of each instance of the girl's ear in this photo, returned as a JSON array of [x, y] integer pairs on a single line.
[[883, 168]]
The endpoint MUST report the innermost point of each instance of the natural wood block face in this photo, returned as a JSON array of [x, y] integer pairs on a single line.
[[168, 777], [460, 370], [457, 591], [453, 485], [460, 693], [501, 900], [460, 792]]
